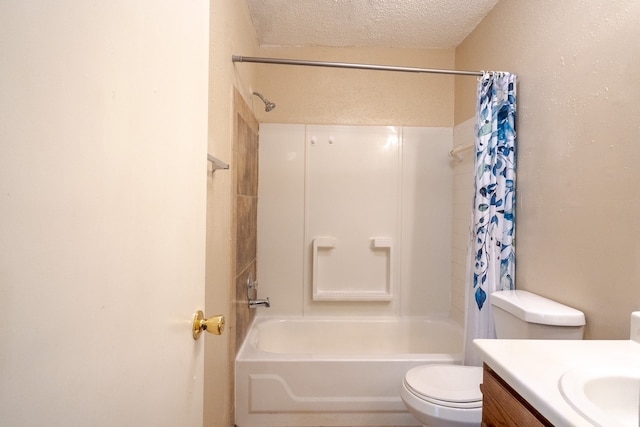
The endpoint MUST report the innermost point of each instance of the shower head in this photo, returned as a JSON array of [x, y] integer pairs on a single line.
[[268, 105]]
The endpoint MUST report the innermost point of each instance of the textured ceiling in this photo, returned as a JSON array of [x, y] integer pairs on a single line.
[[430, 24]]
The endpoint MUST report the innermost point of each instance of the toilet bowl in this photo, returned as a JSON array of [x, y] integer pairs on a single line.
[[444, 395], [449, 395]]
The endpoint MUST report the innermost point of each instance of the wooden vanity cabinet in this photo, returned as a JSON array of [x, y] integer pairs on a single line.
[[503, 406]]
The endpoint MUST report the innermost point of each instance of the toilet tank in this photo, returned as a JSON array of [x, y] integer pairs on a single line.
[[524, 315]]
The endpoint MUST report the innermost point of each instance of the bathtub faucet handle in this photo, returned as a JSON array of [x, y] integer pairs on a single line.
[[252, 294], [252, 287]]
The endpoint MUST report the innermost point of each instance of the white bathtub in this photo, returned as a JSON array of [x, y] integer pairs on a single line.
[[299, 372]]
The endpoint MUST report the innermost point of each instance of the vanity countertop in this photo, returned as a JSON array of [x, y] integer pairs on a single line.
[[533, 368]]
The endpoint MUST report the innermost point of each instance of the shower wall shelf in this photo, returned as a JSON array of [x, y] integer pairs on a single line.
[[320, 293], [455, 153], [217, 163]]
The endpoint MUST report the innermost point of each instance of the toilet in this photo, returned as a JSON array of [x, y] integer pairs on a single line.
[[449, 395]]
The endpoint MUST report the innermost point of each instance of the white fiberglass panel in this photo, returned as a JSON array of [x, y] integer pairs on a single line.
[[427, 208], [281, 216], [352, 201]]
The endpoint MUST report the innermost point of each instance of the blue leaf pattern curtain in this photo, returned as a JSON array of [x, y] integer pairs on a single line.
[[491, 260]]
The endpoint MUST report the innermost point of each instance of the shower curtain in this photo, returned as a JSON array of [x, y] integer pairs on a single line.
[[491, 258]]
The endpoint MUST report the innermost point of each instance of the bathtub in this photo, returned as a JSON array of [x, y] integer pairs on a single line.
[[302, 372]]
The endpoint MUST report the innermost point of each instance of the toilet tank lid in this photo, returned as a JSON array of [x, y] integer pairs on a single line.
[[533, 308]]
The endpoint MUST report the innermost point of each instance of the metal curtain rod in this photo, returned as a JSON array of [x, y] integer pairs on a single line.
[[238, 58]]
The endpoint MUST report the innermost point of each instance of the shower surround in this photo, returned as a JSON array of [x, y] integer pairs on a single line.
[[354, 251], [355, 220]]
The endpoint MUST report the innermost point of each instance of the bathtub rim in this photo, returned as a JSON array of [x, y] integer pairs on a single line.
[[248, 351]]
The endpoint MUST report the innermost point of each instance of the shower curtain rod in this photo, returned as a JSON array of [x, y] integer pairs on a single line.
[[238, 58]]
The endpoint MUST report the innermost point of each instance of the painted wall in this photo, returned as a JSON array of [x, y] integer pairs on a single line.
[[312, 95], [230, 31], [578, 236]]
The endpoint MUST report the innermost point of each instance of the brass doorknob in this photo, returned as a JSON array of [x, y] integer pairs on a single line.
[[213, 325]]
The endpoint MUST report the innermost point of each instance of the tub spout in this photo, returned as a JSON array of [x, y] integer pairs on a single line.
[[255, 303]]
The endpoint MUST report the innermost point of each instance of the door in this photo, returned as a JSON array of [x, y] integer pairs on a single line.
[[103, 132]]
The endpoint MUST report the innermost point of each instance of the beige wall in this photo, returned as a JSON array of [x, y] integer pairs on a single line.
[[578, 236], [230, 31], [313, 95]]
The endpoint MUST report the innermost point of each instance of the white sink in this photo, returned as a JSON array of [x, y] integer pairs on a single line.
[[606, 396]]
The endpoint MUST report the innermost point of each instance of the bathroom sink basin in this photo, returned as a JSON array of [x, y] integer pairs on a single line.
[[606, 396]]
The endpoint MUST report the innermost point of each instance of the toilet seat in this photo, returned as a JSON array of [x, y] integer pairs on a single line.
[[452, 386]]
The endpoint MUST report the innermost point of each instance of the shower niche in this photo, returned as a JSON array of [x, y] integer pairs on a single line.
[[352, 211]]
